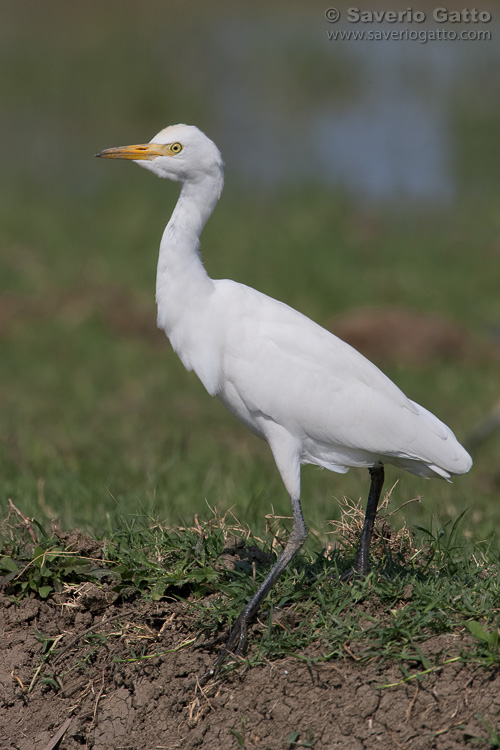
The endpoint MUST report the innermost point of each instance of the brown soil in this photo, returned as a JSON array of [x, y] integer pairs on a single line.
[[392, 335], [110, 674]]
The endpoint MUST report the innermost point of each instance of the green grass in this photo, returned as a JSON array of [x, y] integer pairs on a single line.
[[439, 587], [98, 415], [99, 420]]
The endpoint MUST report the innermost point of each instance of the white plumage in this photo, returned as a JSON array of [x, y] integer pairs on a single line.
[[276, 364], [313, 398]]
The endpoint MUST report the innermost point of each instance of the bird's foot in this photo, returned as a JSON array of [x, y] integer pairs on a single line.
[[234, 646], [356, 572], [347, 575]]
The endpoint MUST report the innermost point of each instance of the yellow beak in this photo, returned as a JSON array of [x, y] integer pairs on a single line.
[[142, 151]]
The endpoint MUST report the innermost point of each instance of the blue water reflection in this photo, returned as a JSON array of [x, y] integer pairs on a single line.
[[389, 133]]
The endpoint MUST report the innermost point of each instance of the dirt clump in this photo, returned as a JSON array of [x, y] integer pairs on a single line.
[[396, 335], [86, 669]]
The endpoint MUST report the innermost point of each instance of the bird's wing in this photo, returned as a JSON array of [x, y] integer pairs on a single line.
[[286, 367]]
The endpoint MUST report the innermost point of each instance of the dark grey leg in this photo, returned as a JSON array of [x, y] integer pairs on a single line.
[[238, 635], [361, 566]]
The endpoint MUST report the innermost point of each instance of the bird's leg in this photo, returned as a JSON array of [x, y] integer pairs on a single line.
[[238, 634], [361, 566]]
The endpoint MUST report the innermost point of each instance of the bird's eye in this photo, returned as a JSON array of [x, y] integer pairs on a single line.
[[175, 148]]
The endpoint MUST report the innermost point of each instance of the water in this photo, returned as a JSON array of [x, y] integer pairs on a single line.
[[382, 120], [383, 127]]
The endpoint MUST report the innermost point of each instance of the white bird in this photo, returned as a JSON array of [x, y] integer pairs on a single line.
[[313, 397]]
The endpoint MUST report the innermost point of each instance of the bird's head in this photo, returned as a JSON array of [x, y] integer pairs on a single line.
[[180, 152]]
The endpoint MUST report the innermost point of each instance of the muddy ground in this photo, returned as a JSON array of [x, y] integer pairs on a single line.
[[84, 669]]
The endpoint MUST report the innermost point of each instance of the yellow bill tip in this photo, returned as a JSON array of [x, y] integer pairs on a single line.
[[138, 152]]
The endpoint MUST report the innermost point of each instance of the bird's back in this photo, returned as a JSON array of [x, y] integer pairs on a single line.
[[276, 364]]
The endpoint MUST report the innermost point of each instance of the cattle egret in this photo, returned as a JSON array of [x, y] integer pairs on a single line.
[[313, 397]]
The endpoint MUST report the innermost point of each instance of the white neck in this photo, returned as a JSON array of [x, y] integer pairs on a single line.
[[181, 278], [183, 287]]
